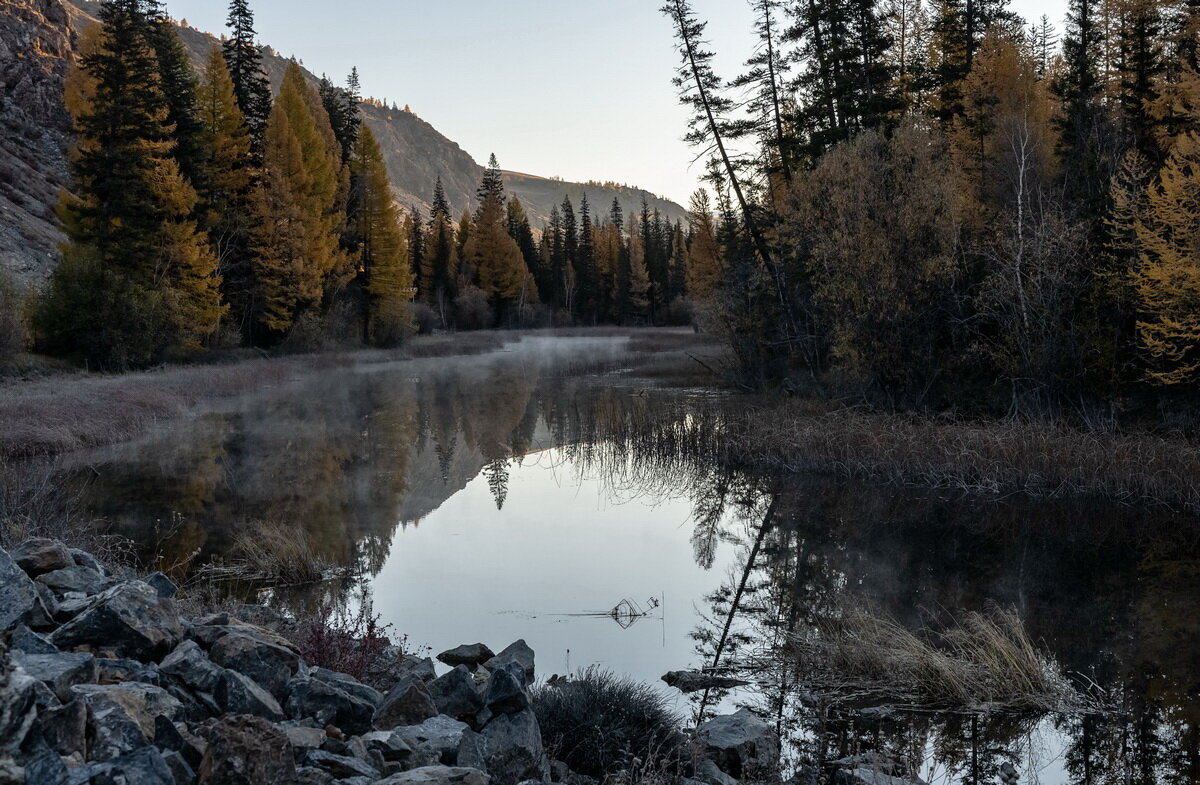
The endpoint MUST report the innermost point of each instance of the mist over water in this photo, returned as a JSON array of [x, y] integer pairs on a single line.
[[526, 492]]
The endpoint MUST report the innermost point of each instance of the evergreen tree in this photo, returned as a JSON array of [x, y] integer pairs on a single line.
[[585, 264], [1044, 41], [570, 255], [1140, 71], [225, 195], [416, 241], [554, 238], [138, 281], [466, 271], [178, 83], [520, 230], [492, 183], [383, 254], [441, 258], [1083, 142], [493, 254], [250, 83], [341, 105], [623, 274]]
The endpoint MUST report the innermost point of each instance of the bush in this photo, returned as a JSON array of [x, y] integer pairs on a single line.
[[598, 722], [12, 322], [425, 318], [474, 313]]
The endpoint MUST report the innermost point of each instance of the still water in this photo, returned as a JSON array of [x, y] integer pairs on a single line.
[[527, 493]]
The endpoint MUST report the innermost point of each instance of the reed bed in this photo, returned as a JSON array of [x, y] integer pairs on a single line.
[[271, 553]]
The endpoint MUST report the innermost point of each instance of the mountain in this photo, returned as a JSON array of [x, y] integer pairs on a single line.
[[36, 47]]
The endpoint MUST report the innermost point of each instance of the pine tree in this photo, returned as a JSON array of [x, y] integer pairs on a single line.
[[570, 255], [553, 239], [1140, 71], [492, 253], [520, 230], [341, 105], [138, 281], [1082, 141], [225, 196], [441, 258], [585, 264], [416, 241], [492, 183], [383, 253], [1044, 40], [178, 83], [1168, 277], [250, 83], [466, 271]]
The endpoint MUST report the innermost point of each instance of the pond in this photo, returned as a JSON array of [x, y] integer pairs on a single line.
[[546, 492]]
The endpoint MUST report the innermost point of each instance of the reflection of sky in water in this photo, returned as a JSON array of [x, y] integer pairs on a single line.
[[561, 546]]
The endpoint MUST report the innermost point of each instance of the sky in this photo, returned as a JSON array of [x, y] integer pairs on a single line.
[[579, 90]]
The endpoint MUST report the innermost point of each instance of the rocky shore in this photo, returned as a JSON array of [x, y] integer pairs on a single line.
[[103, 680]]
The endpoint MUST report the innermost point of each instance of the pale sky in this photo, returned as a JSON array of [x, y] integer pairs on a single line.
[[581, 90]]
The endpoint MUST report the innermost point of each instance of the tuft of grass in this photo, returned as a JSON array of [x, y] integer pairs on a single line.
[[984, 661], [273, 553], [599, 723]]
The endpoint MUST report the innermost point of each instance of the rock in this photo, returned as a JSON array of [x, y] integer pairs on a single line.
[[504, 692], [65, 728], [115, 671], [348, 684], [130, 619], [208, 630], [741, 745], [708, 773], [145, 766], [43, 766], [408, 703], [85, 559], [237, 693], [59, 671], [340, 766], [327, 701], [28, 641], [20, 601], [868, 776], [261, 657], [181, 770], [470, 654], [438, 775], [694, 681], [243, 749], [517, 653], [18, 703], [191, 666], [436, 740], [121, 717], [38, 555], [513, 749], [71, 607], [454, 693], [393, 662], [84, 580], [311, 775], [159, 581], [304, 737]]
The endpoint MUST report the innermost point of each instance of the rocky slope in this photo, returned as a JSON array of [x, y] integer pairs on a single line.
[[36, 42]]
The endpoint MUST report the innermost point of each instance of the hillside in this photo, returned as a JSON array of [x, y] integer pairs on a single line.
[[35, 125]]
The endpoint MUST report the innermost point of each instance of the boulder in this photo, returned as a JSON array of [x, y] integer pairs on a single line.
[[455, 694], [512, 745], [85, 559], [408, 703], [145, 766], [159, 581], [311, 775], [434, 741], [329, 702], [121, 718], [340, 766], [471, 655], [348, 684], [516, 653], [261, 657], [30, 642], [75, 578], [129, 619], [304, 737], [43, 766], [742, 745], [864, 775], [18, 703], [115, 671], [438, 775], [59, 671], [38, 555], [504, 692], [20, 601], [188, 663], [237, 693], [65, 728], [244, 749], [394, 663]]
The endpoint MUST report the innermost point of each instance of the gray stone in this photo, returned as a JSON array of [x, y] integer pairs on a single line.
[[115, 671], [59, 671], [436, 740], [20, 601], [191, 666], [65, 728], [408, 703], [869, 776], [121, 717], [304, 737], [145, 766], [455, 694], [181, 770], [394, 663], [83, 580], [340, 766], [513, 749], [18, 703], [470, 654], [130, 619], [328, 702], [263, 658], [237, 693], [38, 555], [242, 750], [348, 684], [742, 745], [504, 692], [438, 775], [162, 584], [85, 559], [311, 775], [707, 772], [517, 653], [30, 642], [43, 766]]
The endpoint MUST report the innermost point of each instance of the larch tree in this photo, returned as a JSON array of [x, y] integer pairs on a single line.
[[383, 254], [492, 253], [1168, 276], [705, 267]]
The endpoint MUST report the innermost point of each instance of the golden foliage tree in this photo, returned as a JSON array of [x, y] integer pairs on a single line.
[[705, 267]]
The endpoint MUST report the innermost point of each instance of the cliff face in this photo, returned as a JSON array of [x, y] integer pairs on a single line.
[[36, 48]]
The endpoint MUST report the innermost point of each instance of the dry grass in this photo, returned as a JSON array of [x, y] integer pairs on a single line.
[[1040, 459], [982, 662], [270, 553]]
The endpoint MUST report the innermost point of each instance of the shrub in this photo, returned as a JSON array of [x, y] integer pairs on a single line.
[[598, 723], [350, 642], [425, 318], [474, 313]]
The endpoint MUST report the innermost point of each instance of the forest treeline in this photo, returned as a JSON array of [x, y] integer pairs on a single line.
[[935, 203], [206, 212]]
